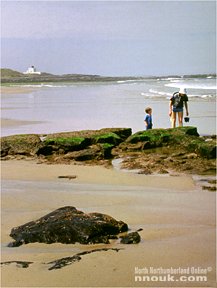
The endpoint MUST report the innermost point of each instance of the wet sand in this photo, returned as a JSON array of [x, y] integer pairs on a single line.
[[10, 123], [177, 218], [16, 89], [15, 123]]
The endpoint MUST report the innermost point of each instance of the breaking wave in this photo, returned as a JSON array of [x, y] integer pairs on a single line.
[[41, 85], [192, 86]]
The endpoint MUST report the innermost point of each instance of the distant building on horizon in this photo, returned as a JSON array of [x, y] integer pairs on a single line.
[[32, 70]]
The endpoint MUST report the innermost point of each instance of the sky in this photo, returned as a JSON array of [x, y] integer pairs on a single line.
[[113, 38]]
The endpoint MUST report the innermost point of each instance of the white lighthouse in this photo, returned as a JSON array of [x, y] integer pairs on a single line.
[[32, 70]]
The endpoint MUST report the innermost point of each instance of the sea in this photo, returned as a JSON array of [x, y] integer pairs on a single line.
[[58, 107]]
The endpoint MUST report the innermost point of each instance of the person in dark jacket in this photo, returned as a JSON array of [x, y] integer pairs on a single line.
[[178, 101]]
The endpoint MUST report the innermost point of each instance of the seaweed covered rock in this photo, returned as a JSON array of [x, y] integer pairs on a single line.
[[82, 145], [20, 145], [188, 130], [68, 225], [160, 137], [185, 137], [123, 133], [64, 144], [110, 138], [168, 150], [90, 135], [206, 149], [93, 152], [178, 149]]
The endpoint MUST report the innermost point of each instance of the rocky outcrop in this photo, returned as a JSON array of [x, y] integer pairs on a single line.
[[20, 145], [68, 225], [167, 151], [78, 146], [62, 145], [84, 145], [161, 137], [131, 238], [157, 150]]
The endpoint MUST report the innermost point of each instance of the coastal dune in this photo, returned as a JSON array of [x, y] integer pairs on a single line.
[[177, 218]]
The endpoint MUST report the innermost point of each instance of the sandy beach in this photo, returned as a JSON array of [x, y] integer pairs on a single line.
[[15, 123], [177, 218], [13, 90], [16, 89], [111, 201]]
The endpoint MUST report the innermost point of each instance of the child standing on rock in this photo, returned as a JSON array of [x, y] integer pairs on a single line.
[[148, 118]]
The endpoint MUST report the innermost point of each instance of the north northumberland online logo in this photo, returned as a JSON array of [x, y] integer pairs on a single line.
[[187, 274]]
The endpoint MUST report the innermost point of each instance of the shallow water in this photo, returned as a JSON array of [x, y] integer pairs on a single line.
[[69, 107]]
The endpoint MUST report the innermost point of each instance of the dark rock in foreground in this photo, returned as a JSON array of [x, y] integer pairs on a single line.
[[131, 238], [68, 225]]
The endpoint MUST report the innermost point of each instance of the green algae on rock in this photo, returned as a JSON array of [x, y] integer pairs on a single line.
[[158, 150]]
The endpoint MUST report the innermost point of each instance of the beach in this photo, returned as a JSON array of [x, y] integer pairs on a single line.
[[177, 218], [11, 123], [90, 196], [15, 90]]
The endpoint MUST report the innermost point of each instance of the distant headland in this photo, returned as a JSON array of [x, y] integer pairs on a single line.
[[32, 76]]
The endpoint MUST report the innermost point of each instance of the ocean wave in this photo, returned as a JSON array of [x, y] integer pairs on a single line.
[[41, 86], [176, 81], [207, 96], [128, 81], [170, 79], [192, 86], [161, 93], [154, 93]]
